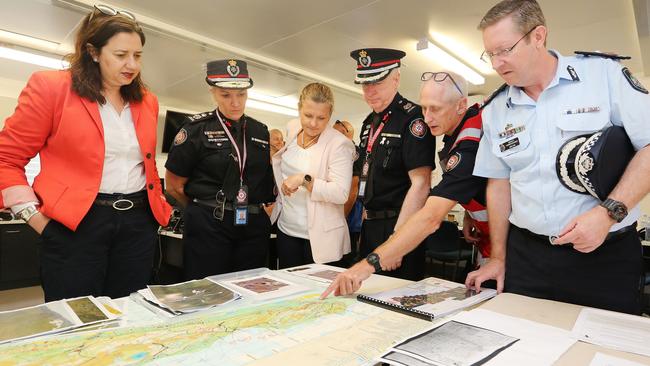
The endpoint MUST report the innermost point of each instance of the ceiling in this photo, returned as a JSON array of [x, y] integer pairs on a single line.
[[290, 42]]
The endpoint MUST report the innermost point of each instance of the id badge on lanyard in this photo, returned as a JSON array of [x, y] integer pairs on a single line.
[[365, 168], [240, 206]]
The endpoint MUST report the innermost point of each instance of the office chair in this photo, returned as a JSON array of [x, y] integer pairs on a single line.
[[447, 246]]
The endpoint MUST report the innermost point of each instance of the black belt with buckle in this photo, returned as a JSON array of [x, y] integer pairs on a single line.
[[610, 236], [381, 214], [122, 202], [254, 208]]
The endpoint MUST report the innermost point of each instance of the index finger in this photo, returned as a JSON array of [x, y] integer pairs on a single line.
[[331, 288]]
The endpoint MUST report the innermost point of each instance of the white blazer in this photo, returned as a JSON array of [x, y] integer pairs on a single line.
[[331, 171]]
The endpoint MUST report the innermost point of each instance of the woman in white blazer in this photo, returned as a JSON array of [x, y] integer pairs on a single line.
[[313, 172]]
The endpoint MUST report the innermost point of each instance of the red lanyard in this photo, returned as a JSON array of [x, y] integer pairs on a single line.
[[374, 135], [240, 162]]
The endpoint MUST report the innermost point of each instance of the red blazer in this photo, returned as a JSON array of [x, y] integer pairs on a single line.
[[66, 130]]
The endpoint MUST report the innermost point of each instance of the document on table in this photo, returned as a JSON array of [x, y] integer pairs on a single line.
[[450, 344], [624, 332], [538, 344], [601, 359]]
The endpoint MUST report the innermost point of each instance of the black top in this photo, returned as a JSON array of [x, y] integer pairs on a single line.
[[405, 143], [203, 153], [458, 183]]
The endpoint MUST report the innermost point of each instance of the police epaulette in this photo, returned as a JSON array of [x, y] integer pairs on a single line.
[[610, 56], [201, 116], [494, 95], [407, 106]]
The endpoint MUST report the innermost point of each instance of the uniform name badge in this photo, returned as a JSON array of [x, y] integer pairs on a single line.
[[220, 207], [363, 178], [241, 206]]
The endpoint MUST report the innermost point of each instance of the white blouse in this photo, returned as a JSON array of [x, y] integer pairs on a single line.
[[123, 164], [293, 218]]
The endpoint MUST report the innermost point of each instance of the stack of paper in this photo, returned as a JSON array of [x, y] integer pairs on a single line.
[[190, 296], [55, 317]]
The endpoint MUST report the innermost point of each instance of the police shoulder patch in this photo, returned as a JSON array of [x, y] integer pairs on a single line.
[[634, 82], [453, 162], [181, 137], [418, 128]]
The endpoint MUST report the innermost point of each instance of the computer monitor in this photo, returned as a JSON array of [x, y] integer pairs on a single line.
[[173, 123]]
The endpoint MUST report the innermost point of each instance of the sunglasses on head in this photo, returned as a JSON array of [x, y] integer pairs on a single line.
[[338, 122], [439, 77], [107, 10]]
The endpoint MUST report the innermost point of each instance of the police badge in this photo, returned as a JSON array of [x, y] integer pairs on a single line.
[[364, 59], [233, 69]]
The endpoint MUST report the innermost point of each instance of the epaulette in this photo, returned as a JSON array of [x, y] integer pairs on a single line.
[[201, 116], [494, 95], [611, 56], [407, 106]]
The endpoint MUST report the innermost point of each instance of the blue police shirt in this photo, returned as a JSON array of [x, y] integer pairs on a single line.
[[540, 203]]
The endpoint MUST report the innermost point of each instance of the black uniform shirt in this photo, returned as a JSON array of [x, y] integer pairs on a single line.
[[458, 183], [203, 153], [405, 143]]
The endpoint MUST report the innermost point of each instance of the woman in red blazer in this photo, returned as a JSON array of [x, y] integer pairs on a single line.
[[97, 201]]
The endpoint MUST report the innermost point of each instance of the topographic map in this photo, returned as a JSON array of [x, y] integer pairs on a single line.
[[336, 331]]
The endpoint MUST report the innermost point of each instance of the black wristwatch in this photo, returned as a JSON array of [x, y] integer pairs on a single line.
[[306, 180], [615, 209], [373, 260]]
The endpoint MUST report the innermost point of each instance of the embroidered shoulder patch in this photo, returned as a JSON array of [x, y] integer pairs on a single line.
[[453, 162], [634, 82], [181, 137], [418, 128]]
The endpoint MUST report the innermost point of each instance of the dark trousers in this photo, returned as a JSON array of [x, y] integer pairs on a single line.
[[293, 251], [213, 247], [607, 278], [110, 254], [376, 232]]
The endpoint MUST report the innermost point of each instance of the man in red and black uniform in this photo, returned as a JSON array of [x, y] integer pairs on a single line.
[[443, 98]]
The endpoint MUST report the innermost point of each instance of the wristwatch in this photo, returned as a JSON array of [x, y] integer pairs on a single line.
[[615, 209], [306, 180], [373, 260], [26, 213]]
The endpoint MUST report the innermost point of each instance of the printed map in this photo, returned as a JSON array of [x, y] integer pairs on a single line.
[[277, 332]]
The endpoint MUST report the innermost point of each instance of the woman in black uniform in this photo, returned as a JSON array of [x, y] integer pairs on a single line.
[[219, 169]]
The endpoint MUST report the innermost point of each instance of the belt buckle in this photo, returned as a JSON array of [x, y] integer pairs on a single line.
[[552, 238], [118, 204]]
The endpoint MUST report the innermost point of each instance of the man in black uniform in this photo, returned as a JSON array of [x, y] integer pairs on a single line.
[[218, 167], [397, 155], [444, 103]]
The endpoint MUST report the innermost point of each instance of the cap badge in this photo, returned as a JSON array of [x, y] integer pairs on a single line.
[[364, 59], [233, 69]]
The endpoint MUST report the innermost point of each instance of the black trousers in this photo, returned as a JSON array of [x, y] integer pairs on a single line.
[[293, 251], [607, 278], [376, 232], [110, 254], [213, 247]]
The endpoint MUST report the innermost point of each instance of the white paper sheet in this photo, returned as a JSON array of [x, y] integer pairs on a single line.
[[601, 359], [624, 332], [263, 287], [539, 344]]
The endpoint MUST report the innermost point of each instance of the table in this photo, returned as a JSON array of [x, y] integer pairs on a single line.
[[557, 314], [376, 335]]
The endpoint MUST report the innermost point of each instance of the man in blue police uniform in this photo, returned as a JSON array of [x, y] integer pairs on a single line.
[[549, 241], [219, 169], [397, 155], [444, 104]]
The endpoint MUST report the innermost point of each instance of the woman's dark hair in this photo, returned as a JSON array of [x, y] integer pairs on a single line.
[[96, 29]]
